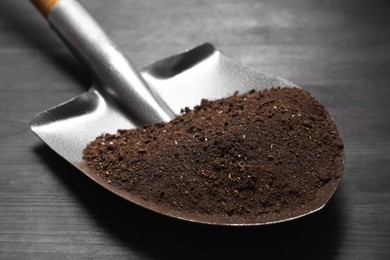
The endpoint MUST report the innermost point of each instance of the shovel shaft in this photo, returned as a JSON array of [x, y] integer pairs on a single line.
[[117, 80]]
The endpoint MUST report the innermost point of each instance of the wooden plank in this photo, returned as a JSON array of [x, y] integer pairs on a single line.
[[339, 50]]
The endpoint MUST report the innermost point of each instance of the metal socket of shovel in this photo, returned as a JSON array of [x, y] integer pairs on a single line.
[[123, 98]]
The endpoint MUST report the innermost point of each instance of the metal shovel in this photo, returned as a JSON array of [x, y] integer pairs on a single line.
[[123, 98]]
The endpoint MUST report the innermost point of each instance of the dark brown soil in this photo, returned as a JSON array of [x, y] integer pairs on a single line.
[[247, 155]]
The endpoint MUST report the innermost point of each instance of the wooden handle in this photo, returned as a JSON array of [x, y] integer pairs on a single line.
[[44, 6]]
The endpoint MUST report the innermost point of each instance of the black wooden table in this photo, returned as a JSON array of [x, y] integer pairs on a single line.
[[338, 50]]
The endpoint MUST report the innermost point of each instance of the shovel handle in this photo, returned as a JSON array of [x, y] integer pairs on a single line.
[[117, 80], [45, 6]]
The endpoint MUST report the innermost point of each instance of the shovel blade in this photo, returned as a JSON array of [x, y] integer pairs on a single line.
[[182, 80]]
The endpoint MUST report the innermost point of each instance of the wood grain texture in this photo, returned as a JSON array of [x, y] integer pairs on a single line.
[[338, 50]]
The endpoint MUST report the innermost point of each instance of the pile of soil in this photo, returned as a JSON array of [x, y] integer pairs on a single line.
[[251, 155]]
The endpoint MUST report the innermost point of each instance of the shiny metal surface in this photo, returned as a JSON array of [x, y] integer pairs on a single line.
[[181, 81], [116, 78], [171, 84]]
